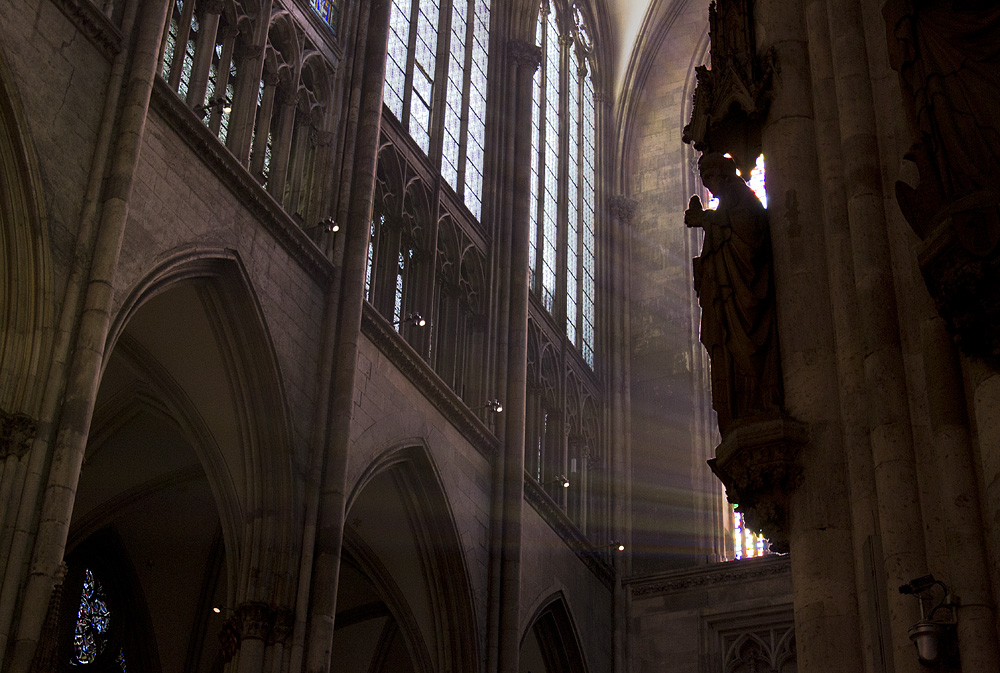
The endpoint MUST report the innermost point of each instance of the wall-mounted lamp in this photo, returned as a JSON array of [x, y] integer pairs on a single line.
[[493, 405], [414, 318], [329, 225], [561, 480], [219, 104], [615, 544], [935, 639]]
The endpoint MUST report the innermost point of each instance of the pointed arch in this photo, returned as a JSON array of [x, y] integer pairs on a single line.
[[400, 495], [240, 397], [552, 630], [25, 266]]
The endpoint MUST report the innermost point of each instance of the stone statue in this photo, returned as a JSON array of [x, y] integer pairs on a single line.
[[948, 58], [736, 291]]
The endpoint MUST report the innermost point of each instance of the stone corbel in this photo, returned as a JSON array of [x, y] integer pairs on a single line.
[[524, 54], [758, 464]]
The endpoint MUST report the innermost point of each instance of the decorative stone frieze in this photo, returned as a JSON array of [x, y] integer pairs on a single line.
[[946, 60], [16, 433], [757, 462], [732, 98], [729, 573]]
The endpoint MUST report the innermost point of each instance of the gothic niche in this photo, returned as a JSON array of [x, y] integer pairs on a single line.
[[734, 280], [948, 59]]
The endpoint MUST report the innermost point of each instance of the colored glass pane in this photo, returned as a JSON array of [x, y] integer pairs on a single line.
[[93, 620]]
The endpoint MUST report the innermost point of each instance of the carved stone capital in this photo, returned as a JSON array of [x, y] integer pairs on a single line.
[[523, 54], [211, 6], [758, 464], [16, 433], [565, 40], [284, 620], [622, 208], [254, 620], [250, 51]]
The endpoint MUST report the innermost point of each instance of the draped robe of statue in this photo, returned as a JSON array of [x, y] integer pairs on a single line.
[[735, 288]]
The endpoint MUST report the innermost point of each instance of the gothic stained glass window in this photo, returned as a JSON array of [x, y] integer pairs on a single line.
[[327, 10], [93, 620], [563, 244], [420, 31]]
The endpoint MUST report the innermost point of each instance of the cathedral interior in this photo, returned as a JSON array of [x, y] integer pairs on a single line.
[[505, 336]]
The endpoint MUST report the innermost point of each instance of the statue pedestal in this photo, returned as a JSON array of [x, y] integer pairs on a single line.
[[757, 463]]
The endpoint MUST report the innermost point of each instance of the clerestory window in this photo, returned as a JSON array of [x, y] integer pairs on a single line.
[[435, 86], [564, 176]]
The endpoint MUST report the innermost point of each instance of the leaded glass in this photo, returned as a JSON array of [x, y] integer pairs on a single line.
[[424, 61], [187, 63], [476, 134], [453, 102], [93, 620], [588, 172], [395, 66], [551, 196], [572, 199], [536, 140], [327, 10], [168, 52]]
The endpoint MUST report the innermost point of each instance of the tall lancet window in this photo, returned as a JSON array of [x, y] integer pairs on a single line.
[[435, 85], [564, 175]]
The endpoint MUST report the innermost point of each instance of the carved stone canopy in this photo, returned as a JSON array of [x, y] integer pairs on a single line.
[[731, 97]]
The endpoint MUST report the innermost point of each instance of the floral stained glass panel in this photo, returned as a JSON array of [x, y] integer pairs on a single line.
[[93, 620]]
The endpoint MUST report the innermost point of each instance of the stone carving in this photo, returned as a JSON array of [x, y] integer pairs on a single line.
[[16, 433], [731, 98], [948, 59], [758, 464], [524, 54], [735, 288]]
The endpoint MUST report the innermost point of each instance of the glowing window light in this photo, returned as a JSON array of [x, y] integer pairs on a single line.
[[756, 182], [746, 543]]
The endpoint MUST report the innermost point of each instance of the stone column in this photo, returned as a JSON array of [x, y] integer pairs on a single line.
[[333, 487], [622, 210], [222, 77], [263, 125], [524, 59], [85, 370], [847, 333], [204, 50], [826, 623], [251, 69]]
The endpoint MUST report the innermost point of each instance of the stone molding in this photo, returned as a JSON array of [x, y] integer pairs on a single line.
[[426, 380], [623, 208], [240, 182], [568, 531], [94, 25], [525, 54], [757, 462], [16, 433], [731, 572]]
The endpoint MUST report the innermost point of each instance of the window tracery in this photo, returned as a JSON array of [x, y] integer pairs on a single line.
[[563, 176], [448, 125], [267, 98]]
